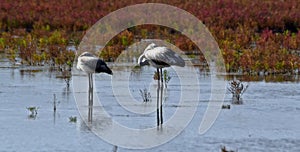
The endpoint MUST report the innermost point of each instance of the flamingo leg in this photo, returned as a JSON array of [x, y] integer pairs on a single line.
[[161, 109], [90, 98], [157, 104], [162, 77], [159, 97], [160, 102], [157, 108]]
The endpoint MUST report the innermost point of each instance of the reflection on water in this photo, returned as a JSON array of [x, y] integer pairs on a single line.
[[159, 113]]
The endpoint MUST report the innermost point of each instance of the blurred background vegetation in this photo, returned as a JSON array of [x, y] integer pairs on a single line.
[[253, 35]]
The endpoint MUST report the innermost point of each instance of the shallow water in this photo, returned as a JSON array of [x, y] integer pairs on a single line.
[[267, 121]]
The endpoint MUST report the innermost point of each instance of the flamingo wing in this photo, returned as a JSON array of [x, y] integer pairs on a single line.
[[164, 56]]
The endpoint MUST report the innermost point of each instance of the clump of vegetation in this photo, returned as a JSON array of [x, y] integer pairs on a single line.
[[65, 73], [34, 49], [33, 112], [166, 76], [155, 76], [225, 106], [73, 119], [223, 149], [145, 95], [237, 88]]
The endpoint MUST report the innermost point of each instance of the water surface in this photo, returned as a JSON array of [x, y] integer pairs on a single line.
[[267, 121]]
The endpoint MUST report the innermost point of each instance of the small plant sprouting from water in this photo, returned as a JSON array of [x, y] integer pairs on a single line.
[[33, 112], [223, 149], [237, 88], [166, 76], [155, 76], [145, 95], [73, 119], [225, 106], [65, 72]]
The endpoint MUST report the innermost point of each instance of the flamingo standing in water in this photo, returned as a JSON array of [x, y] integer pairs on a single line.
[[160, 57], [91, 64]]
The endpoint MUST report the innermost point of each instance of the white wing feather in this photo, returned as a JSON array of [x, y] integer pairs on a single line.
[[166, 55], [87, 64]]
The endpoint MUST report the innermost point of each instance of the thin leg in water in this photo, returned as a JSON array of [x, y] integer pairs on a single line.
[[161, 77], [161, 94], [157, 104], [90, 98]]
